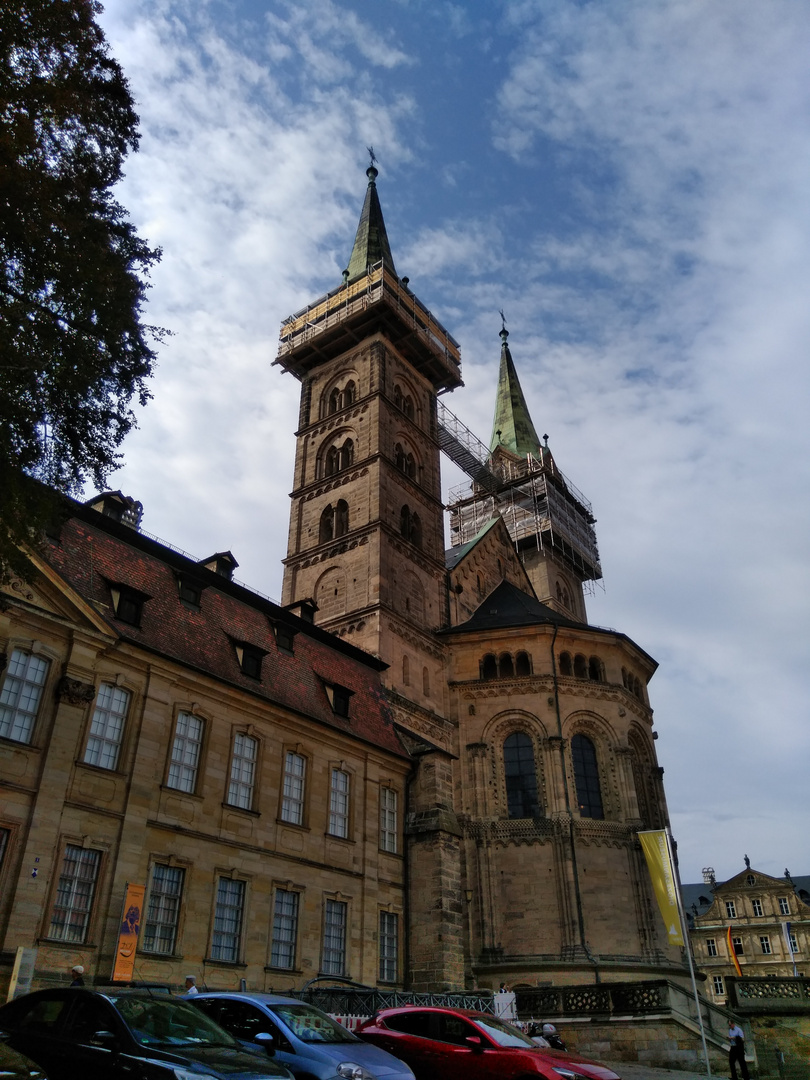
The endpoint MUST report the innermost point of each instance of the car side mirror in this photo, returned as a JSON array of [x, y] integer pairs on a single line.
[[265, 1039], [107, 1039], [474, 1042]]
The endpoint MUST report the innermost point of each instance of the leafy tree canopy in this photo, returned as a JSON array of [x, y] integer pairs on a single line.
[[73, 348]]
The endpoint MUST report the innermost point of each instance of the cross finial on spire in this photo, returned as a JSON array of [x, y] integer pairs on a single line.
[[372, 155], [504, 334]]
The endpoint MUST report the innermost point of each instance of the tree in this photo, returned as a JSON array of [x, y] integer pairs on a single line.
[[74, 351]]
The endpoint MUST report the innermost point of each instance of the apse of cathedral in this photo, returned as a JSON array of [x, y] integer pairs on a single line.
[[531, 730]]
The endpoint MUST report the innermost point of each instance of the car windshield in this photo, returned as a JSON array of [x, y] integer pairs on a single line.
[[311, 1025], [504, 1034], [164, 1021]]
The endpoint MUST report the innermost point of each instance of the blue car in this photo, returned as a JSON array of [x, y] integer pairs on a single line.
[[311, 1044]]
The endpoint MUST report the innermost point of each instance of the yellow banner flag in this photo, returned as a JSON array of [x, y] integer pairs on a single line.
[[128, 933], [656, 852]]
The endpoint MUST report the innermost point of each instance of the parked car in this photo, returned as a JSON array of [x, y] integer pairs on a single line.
[[79, 1034], [457, 1044], [16, 1065], [305, 1039]]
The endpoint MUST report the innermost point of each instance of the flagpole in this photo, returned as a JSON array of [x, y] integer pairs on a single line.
[[688, 943]]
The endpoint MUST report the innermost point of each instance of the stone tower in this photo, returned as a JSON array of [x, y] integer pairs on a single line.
[[531, 731]]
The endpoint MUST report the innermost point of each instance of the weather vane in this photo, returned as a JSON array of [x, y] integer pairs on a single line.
[[372, 155], [503, 318]]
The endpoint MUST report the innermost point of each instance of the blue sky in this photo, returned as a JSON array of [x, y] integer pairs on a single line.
[[629, 183]]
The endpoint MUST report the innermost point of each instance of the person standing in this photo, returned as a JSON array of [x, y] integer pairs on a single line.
[[736, 1053], [191, 987], [77, 971]]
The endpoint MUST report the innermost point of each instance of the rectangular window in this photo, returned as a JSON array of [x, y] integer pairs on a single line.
[[731, 910], [388, 819], [5, 834], [765, 943], [711, 946], [74, 894], [334, 938], [757, 906], [243, 771], [285, 929], [107, 727], [228, 920], [292, 802], [160, 929], [738, 945], [717, 985], [339, 803], [21, 693], [185, 752], [794, 944], [784, 905], [389, 944]]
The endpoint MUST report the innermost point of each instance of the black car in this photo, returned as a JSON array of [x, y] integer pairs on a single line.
[[77, 1034]]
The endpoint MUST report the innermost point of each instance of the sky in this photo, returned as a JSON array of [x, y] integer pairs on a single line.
[[629, 183]]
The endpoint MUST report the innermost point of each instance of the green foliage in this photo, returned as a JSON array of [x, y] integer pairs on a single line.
[[73, 349]]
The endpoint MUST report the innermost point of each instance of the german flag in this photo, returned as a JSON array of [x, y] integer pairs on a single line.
[[732, 952]]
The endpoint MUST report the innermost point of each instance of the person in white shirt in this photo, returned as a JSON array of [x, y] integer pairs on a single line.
[[191, 989], [736, 1053]]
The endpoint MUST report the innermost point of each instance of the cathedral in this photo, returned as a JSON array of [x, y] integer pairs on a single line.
[[531, 731], [424, 769]]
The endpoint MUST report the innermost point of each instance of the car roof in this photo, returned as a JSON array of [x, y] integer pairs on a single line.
[[248, 995]]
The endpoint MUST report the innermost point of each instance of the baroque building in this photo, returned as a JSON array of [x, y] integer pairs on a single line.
[[761, 921], [424, 769]]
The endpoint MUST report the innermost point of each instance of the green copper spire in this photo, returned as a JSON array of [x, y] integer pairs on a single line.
[[371, 242], [512, 428]]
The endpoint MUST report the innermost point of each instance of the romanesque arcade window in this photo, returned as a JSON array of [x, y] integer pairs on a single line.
[[586, 777], [404, 402], [505, 666], [341, 398], [632, 683], [334, 522], [339, 456], [582, 667], [410, 526], [405, 461], [520, 776]]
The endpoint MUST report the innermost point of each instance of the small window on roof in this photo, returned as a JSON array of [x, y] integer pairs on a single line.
[[127, 603], [190, 591], [285, 637], [338, 698], [249, 658]]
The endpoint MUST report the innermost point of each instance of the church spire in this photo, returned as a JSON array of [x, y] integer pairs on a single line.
[[512, 427], [371, 242]]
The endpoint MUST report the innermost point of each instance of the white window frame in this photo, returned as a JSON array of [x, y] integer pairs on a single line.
[[186, 749], [293, 787], [765, 944], [244, 758], [163, 910], [756, 906], [784, 905], [794, 943], [74, 894], [717, 986], [339, 798], [389, 820], [731, 909], [285, 929], [711, 946], [229, 916], [335, 922], [389, 947], [735, 941], [21, 694], [107, 727]]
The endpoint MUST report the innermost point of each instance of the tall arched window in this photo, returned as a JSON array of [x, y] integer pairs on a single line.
[[580, 666], [416, 531], [410, 526], [331, 463], [521, 778], [341, 518], [349, 394], [566, 667], [586, 777], [505, 665], [326, 529], [404, 460], [346, 454], [334, 401], [595, 669]]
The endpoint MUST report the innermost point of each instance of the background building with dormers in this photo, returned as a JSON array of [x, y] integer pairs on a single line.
[[426, 768], [769, 920]]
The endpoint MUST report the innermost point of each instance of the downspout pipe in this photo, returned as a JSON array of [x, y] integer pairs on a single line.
[[574, 867]]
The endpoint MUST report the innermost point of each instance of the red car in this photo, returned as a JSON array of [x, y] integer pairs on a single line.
[[456, 1044]]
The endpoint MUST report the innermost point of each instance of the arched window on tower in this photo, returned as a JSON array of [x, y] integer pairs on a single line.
[[331, 463], [341, 518], [410, 527], [416, 530], [586, 777], [505, 666], [523, 664], [346, 454], [404, 461], [334, 401], [489, 667], [520, 776], [580, 666], [566, 667], [326, 529], [595, 672], [349, 394]]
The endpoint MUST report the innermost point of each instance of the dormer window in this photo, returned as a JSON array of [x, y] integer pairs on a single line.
[[250, 659], [190, 591], [222, 563], [285, 637], [127, 603], [338, 698]]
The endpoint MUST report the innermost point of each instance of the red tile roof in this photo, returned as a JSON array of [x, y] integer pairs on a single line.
[[94, 551]]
